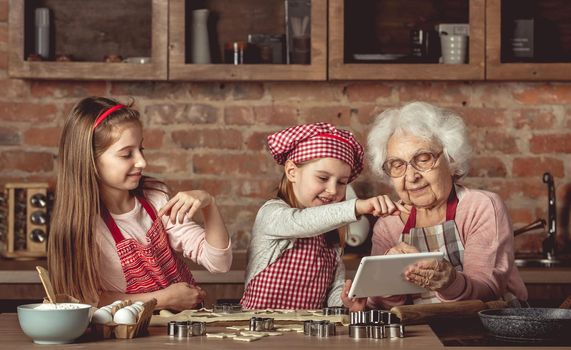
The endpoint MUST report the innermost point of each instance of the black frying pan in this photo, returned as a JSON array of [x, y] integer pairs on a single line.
[[528, 324]]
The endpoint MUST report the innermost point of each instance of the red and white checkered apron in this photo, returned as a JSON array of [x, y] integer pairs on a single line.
[[152, 266], [443, 237], [299, 279]]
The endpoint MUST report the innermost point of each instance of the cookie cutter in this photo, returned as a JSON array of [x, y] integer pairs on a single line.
[[319, 328], [394, 330], [226, 308], [377, 331], [359, 317], [261, 324], [335, 310], [181, 329], [197, 329], [359, 331]]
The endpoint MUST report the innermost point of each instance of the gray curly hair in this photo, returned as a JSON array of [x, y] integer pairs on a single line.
[[427, 122]]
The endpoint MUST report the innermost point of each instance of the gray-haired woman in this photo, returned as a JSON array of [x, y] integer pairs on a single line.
[[424, 151]]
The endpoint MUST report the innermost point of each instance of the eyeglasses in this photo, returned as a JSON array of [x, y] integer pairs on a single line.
[[423, 161]]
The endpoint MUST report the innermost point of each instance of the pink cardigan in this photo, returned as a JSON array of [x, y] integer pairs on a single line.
[[486, 232]]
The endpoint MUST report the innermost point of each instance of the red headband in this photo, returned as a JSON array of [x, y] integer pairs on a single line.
[[106, 114]]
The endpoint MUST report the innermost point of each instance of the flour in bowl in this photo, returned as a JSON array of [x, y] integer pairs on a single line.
[[60, 306]]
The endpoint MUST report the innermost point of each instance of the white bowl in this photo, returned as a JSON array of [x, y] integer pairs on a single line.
[[55, 326]]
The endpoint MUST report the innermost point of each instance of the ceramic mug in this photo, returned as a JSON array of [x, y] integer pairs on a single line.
[[453, 48]]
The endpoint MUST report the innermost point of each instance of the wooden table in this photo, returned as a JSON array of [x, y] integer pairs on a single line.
[[417, 337]]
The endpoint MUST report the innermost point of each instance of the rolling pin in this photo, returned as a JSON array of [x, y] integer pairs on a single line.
[[421, 313]]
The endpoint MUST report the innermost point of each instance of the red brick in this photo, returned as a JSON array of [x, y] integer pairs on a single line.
[[153, 138], [154, 90], [530, 243], [14, 88], [4, 11], [167, 163], [247, 91], [3, 35], [551, 143], [9, 136], [536, 166], [368, 92], [60, 88], [521, 216], [306, 91], [257, 141], [487, 167], [366, 114], [3, 60], [500, 142], [26, 161], [215, 187], [547, 93], [265, 115], [483, 117], [240, 165], [439, 93], [534, 119], [210, 91], [336, 115], [526, 188], [258, 188], [208, 138], [27, 112], [166, 114], [497, 94], [48, 136]]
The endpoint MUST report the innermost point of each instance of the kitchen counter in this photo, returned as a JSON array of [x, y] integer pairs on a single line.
[[420, 336]]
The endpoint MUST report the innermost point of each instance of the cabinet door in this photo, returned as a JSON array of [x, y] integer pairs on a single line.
[[87, 35], [378, 39], [528, 40], [230, 23]]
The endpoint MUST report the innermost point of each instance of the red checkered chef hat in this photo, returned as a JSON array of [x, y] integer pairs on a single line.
[[319, 140]]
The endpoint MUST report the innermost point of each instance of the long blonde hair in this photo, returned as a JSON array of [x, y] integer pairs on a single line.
[[73, 254], [285, 192]]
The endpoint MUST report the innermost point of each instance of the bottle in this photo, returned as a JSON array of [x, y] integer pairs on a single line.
[[43, 32]]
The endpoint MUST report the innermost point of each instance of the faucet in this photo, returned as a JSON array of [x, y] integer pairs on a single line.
[[549, 241]]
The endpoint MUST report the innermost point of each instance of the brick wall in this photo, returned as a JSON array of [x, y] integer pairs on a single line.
[[211, 135]]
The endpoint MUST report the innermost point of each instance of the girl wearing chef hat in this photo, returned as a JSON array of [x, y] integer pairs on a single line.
[[114, 231], [294, 260]]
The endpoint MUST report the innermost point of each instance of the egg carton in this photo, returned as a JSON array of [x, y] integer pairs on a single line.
[[126, 331]]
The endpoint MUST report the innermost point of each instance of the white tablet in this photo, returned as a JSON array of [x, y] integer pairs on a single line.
[[381, 275]]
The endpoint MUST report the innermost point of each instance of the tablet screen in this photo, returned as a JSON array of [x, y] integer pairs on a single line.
[[383, 275]]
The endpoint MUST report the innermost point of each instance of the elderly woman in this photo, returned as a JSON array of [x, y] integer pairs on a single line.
[[424, 151]]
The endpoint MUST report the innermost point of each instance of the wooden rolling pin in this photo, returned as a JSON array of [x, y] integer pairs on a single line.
[[421, 313]]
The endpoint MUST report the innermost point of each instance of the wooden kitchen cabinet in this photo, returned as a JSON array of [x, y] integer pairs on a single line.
[[360, 28], [232, 21], [88, 31], [549, 23]]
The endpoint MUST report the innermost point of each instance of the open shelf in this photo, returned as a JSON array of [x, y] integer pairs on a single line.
[[86, 32], [383, 28], [547, 22], [232, 21]]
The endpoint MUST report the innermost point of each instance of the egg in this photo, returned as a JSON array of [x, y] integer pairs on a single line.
[[116, 302], [138, 303], [102, 316], [124, 316], [137, 307]]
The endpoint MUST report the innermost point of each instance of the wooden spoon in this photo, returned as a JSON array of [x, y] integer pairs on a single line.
[[45, 278]]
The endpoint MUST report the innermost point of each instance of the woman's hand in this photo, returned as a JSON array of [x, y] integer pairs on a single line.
[[183, 296], [185, 204], [431, 274], [353, 304], [379, 206], [402, 248]]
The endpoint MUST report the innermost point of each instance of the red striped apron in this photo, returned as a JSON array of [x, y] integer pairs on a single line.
[[149, 267], [299, 279], [443, 237]]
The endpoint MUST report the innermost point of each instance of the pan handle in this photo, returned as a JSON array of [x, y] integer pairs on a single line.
[[539, 223], [566, 304]]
